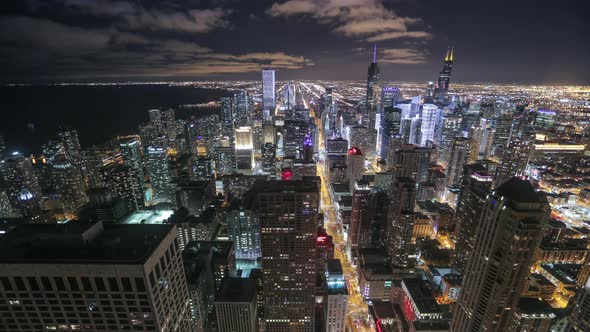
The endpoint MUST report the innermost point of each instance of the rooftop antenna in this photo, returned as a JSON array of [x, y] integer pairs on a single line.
[[375, 53]]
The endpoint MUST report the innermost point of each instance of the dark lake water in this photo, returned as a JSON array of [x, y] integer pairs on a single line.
[[30, 115]]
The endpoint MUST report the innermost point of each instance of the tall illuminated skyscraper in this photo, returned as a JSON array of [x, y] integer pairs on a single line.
[[355, 166], [430, 113], [373, 76], [360, 193], [131, 152], [19, 178], [400, 221], [461, 153], [390, 128], [268, 94], [69, 184], [71, 144], [580, 319], [158, 170], [510, 230], [288, 212], [444, 77], [138, 265], [475, 187]]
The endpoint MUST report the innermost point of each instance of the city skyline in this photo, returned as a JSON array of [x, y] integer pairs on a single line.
[[109, 40], [290, 201]]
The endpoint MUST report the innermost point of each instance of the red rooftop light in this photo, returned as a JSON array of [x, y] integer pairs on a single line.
[[354, 151]]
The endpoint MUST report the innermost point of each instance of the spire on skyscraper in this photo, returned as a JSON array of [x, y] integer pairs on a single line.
[[452, 51], [375, 53]]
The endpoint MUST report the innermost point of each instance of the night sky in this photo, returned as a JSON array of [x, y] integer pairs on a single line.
[[504, 41]]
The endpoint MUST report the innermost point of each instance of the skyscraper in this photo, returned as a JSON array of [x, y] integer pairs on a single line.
[[476, 185], [268, 94], [360, 192], [235, 305], [122, 183], [430, 115], [390, 128], [131, 152], [400, 221], [337, 297], [96, 277], [244, 228], [158, 170], [355, 165], [288, 212], [460, 156], [373, 76], [19, 178], [71, 144], [511, 228], [580, 318], [69, 184], [503, 126], [444, 77]]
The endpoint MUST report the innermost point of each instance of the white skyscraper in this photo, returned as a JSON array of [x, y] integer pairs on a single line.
[[429, 114], [268, 92]]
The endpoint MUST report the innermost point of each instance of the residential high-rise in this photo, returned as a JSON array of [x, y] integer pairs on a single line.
[[503, 126], [158, 170], [451, 125], [519, 150], [268, 94], [241, 109], [580, 319], [235, 305], [460, 156], [475, 187], [69, 184], [360, 193], [244, 228], [288, 212], [122, 183], [19, 178], [430, 115], [71, 144], [355, 166], [400, 220], [510, 230], [373, 224], [444, 77], [336, 297], [94, 277], [131, 152], [390, 128], [227, 117]]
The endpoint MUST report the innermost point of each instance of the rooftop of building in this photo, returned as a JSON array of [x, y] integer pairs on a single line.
[[81, 243], [421, 295], [533, 306], [218, 248], [333, 266], [566, 273], [454, 279], [236, 290], [382, 309], [519, 190], [540, 279], [307, 184], [340, 188], [431, 325]]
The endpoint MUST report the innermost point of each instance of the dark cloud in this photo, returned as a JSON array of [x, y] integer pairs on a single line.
[[537, 41]]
